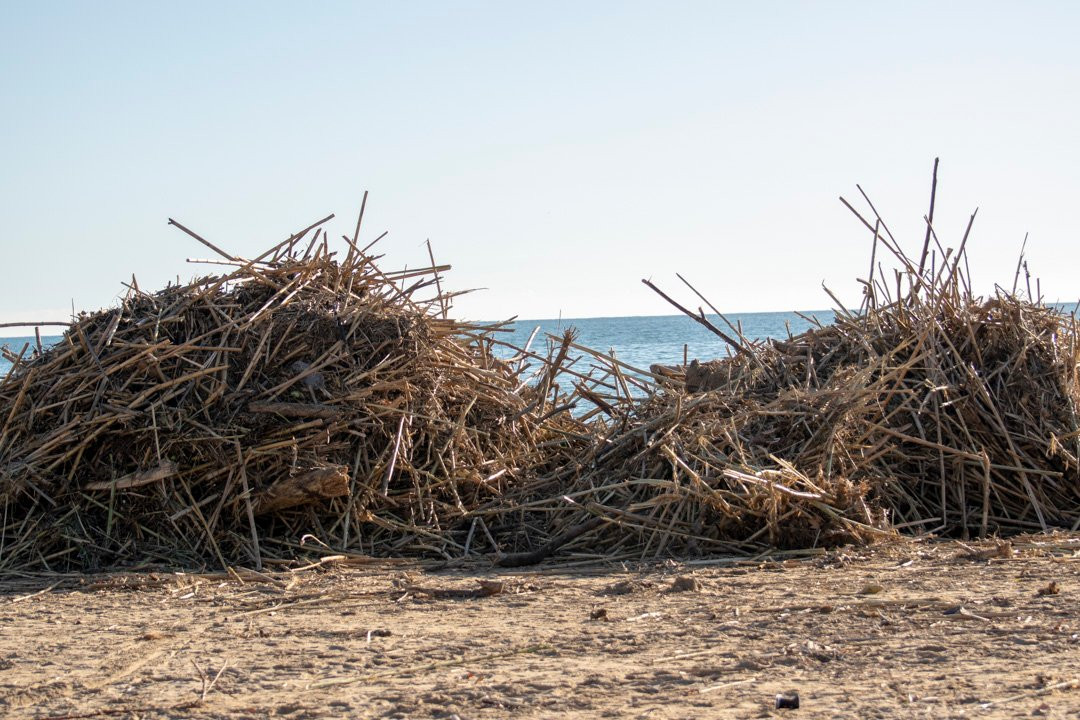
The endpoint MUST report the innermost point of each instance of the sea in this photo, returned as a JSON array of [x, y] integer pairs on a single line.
[[664, 339], [636, 341]]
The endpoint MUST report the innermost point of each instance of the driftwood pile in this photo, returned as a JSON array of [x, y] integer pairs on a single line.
[[306, 402], [927, 410], [936, 413], [225, 420]]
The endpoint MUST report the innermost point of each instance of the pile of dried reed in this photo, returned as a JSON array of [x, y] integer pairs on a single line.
[[299, 396], [929, 409], [224, 420]]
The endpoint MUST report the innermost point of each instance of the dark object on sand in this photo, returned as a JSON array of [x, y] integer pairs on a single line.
[[787, 700]]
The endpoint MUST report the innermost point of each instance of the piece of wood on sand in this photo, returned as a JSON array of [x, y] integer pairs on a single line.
[[302, 489]]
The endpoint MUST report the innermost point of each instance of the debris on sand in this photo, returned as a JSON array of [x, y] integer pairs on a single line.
[[303, 402], [928, 409], [297, 394]]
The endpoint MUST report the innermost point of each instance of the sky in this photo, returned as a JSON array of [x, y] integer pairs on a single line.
[[554, 153]]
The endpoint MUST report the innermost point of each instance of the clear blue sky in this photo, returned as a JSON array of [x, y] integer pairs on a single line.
[[555, 153]]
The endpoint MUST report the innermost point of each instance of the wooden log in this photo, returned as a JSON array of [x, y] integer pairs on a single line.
[[550, 547], [702, 377], [673, 372], [308, 487], [288, 409], [136, 479]]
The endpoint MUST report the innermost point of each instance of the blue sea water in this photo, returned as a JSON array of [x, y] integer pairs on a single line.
[[15, 345], [637, 341], [642, 341]]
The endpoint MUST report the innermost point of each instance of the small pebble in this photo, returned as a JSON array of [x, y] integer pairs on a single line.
[[787, 700]]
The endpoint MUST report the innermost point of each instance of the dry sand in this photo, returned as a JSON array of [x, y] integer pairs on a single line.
[[907, 630]]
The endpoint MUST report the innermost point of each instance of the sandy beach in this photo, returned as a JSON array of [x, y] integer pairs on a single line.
[[909, 630]]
